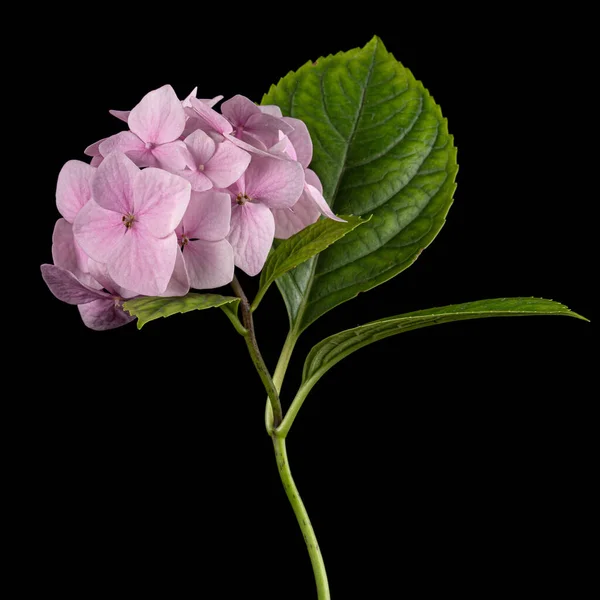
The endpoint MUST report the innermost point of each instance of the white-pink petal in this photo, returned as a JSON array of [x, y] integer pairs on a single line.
[[179, 284], [271, 109], [239, 109], [208, 216], [227, 164], [171, 156], [209, 264], [122, 115], [289, 221], [276, 183], [201, 147], [74, 188], [198, 180], [159, 118], [99, 272], [251, 235], [98, 231], [67, 254], [210, 118], [159, 202], [113, 185], [142, 263], [300, 139]]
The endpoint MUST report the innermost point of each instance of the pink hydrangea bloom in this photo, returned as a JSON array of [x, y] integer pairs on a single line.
[[208, 256], [130, 223], [213, 192]]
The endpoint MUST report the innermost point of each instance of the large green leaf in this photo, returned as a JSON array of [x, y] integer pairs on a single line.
[[336, 347], [302, 246], [381, 147], [153, 307]]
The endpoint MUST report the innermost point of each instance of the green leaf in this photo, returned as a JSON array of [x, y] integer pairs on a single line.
[[336, 347], [302, 246], [381, 147], [153, 307]]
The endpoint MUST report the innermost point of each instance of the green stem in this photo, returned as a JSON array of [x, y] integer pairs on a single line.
[[294, 409], [291, 490], [255, 355], [278, 376]]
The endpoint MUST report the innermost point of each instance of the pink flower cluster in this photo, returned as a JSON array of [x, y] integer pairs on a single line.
[[177, 201]]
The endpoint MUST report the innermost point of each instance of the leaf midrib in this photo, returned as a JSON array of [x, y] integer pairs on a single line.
[[306, 296]]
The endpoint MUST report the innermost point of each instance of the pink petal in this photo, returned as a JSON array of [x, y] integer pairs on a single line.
[[276, 183], [317, 198], [271, 109], [74, 188], [98, 231], [209, 264], [210, 102], [104, 314], [211, 118], [122, 115], [99, 272], [67, 254], [201, 147], [254, 140], [179, 284], [227, 165], [160, 200], [114, 183], [142, 263], [186, 101], [171, 156], [159, 117], [251, 235], [253, 150], [313, 179], [300, 138], [93, 149], [238, 110], [96, 161], [289, 221], [208, 216], [198, 180], [129, 144], [65, 286], [284, 146], [262, 122]]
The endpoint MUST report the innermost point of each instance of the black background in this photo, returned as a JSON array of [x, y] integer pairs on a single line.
[[451, 458]]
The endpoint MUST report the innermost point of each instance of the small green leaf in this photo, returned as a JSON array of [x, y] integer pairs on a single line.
[[153, 307], [381, 148], [336, 347], [300, 247]]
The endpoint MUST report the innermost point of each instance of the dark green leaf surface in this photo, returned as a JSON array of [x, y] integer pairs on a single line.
[[300, 247], [381, 147], [153, 307], [336, 347]]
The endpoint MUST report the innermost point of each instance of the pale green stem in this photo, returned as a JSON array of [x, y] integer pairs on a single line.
[[278, 376], [295, 407], [308, 533], [273, 418]]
